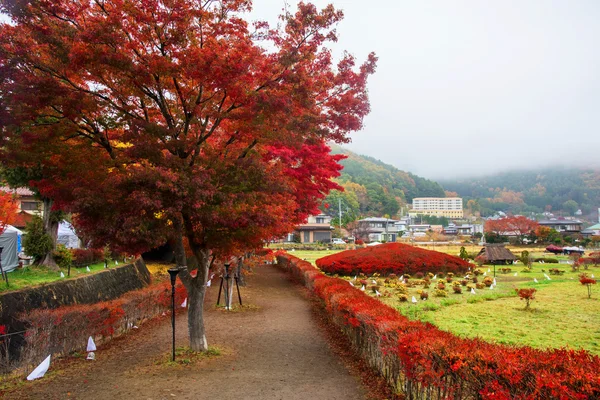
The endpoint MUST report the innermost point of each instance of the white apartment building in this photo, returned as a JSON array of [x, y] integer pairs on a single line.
[[449, 207]]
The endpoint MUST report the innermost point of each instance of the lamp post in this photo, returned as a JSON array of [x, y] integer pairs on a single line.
[[173, 273], [227, 294]]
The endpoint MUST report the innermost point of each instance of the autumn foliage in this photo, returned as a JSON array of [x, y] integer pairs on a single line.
[[417, 358], [157, 120], [391, 258], [66, 329], [8, 210], [518, 226]]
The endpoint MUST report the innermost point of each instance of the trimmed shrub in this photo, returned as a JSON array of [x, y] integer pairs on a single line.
[[84, 257], [390, 258]]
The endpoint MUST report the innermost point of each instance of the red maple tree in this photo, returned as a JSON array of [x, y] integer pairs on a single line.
[[518, 226], [172, 119]]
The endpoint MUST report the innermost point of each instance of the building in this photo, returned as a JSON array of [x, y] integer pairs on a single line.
[[381, 229], [593, 230], [316, 229], [26, 200], [463, 230], [497, 254], [563, 225], [449, 207]]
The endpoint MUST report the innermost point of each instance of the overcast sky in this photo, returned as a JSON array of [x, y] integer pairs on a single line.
[[473, 87]]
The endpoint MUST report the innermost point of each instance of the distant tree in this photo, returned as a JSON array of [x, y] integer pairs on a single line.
[[518, 226], [587, 281], [570, 206]]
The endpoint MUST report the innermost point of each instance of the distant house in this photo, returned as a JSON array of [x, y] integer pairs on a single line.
[[26, 200], [497, 254], [316, 229], [463, 230], [593, 230], [563, 225], [381, 229]]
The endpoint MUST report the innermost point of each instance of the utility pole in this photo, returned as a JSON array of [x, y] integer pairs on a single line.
[[340, 214]]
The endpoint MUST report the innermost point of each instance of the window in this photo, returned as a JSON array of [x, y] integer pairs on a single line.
[[320, 220], [29, 206]]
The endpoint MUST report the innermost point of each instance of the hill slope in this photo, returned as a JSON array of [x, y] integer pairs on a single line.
[[557, 190], [375, 188]]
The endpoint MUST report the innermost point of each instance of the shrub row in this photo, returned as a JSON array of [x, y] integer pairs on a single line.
[[396, 258], [83, 257], [423, 362], [66, 329], [546, 260]]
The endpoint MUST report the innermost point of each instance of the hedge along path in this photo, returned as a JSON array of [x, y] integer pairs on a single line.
[[274, 351]]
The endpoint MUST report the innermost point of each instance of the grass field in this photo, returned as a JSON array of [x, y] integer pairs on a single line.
[[34, 276], [560, 316]]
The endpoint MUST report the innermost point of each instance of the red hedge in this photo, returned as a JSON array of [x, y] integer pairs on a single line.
[[422, 361], [391, 258], [66, 329]]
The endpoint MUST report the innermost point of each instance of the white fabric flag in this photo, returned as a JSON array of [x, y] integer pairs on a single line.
[[208, 284], [362, 288], [414, 300], [473, 291], [87, 269], [374, 282], [184, 304], [40, 370], [62, 275], [515, 274], [351, 284], [535, 280], [377, 293], [91, 345], [116, 263], [489, 270]]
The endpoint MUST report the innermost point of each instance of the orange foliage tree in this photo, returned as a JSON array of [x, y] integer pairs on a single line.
[[518, 226], [8, 210]]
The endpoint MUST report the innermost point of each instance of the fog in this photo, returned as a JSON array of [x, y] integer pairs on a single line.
[[473, 87]]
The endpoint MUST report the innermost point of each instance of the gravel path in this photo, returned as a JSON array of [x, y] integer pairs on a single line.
[[274, 350]]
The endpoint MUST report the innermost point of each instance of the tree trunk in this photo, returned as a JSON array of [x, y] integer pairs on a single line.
[[197, 332], [51, 228], [240, 266]]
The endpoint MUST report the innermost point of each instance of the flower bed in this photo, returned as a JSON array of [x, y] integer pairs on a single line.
[[422, 362], [66, 329], [396, 258]]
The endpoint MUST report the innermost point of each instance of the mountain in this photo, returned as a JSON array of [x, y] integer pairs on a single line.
[[373, 188], [560, 191]]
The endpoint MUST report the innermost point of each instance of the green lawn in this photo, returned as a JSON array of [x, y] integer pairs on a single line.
[[560, 316], [34, 275]]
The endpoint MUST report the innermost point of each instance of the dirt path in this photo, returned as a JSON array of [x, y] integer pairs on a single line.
[[275, 351]]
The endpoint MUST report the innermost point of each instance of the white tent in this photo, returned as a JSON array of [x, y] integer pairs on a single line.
[[10, 240], [67, 236]]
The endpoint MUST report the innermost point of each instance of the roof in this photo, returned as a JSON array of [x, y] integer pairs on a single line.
[[22, 191], [377, 219], [314, 227], [496, 252], [22, 219], [593, 227], [560, 222]]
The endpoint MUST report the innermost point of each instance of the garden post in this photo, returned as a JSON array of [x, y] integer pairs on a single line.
[[173, 273]]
